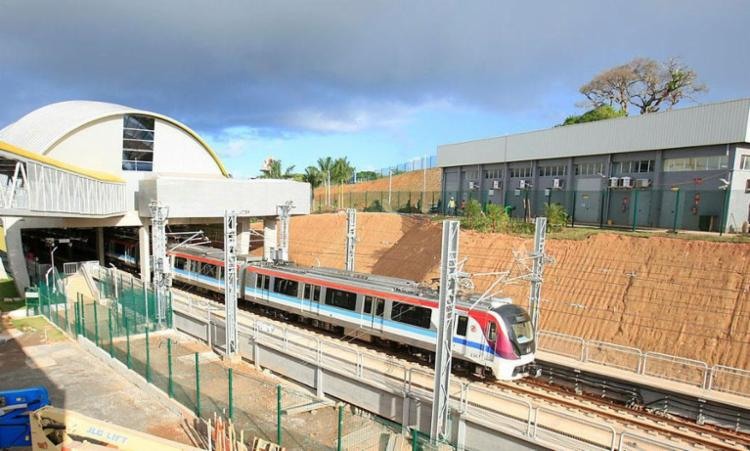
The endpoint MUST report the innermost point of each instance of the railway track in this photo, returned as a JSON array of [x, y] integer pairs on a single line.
[[630, 416]]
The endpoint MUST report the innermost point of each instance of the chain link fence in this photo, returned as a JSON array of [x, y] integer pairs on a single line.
[[125, 325]]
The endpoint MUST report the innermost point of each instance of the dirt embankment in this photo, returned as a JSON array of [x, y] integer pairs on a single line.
[[412, 181], [682, 297]]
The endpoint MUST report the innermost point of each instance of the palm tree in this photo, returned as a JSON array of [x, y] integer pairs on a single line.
[[313, 176], [326, 166], [273, 171], [342, 170]]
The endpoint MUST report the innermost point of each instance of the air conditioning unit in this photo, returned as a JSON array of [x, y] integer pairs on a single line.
[[523, 184], [626, 182], [643, 183], [472, 185], [613, 182], [496, 184], [557, 183]]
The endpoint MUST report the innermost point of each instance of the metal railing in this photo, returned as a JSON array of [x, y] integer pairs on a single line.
[[499, 411], [718, 378]]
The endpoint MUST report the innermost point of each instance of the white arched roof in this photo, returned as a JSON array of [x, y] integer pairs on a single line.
[[41, 129]]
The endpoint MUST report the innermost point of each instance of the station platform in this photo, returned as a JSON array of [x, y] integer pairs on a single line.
[[656, 384]]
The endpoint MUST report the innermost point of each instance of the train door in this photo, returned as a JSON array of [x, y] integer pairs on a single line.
[[312, 295], [459, 341], [373, 312], [489, 352]]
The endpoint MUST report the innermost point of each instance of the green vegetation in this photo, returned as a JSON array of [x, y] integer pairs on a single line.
[[275, 171], [38, 324], [8, 289], [597, 114]]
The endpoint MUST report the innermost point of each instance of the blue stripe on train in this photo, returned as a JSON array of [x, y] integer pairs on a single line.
[[333, 311]]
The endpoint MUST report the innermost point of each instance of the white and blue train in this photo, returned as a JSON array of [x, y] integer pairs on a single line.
[[495, 336]]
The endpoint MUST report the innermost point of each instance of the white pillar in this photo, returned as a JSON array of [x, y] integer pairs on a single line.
[[100, 245], [144, 253], [243, 236], [269, 238], [14, 248]]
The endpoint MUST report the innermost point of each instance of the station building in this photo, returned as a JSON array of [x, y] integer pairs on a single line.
[[687, 168], [90, 170]]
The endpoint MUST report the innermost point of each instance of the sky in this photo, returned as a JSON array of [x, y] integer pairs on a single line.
[[380, 82]]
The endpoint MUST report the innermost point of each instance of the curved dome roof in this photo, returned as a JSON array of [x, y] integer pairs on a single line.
[[41, 129]]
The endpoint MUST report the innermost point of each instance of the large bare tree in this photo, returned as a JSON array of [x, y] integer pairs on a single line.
[[645, 84]]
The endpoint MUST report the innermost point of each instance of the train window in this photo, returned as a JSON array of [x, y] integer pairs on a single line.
[[208, 269], [492, 332], [379, 305], [342, 299], [312, 290], [180, 263], [463, 322], [261, 281], [411, 314], [285, 286]]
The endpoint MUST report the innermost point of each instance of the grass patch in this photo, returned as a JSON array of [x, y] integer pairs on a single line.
[[38, 324]]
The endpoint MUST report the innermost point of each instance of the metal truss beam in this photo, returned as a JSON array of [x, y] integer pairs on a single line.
[[449, 279], [351, 237], [161, 266]]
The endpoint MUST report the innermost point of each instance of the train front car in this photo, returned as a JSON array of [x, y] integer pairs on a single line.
[[513, 340]]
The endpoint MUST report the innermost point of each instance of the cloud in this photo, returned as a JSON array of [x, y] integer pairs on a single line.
[[339, 66]]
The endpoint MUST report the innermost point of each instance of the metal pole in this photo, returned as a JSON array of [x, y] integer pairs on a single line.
[[676, 210], [127, 341], [96, 324], [170, 383], [537, 270], [339, 444], [635, 210], [414, 439], [197, 387], [230, 282], [83, 317], [443, 356], [109, 323], [351, 238], [231, 393], [278, 414], [67, 322], [390, 181], [724, 209], [148, 356]]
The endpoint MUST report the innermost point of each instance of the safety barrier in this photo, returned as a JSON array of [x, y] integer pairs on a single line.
[[493, 409], [696, 373]]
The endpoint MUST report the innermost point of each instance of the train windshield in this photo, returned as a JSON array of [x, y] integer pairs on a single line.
[[518, 324]]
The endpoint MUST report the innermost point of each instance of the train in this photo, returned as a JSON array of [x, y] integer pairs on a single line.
[[492, 338]]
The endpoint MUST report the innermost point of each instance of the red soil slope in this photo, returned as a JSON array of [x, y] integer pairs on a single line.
[[688, 298]]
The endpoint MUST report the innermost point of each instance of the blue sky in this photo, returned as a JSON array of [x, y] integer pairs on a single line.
[[380, 82]]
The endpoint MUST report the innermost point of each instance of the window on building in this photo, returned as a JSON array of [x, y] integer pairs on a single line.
[[747, 186], [589, 168], [411, 314], [493, 173], [712, 163], [634, 166], [553, 171], [137, 143], [745, 162], [340, 298], [520, 171]]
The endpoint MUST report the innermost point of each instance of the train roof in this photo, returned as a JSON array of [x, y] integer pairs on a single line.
[[373, 281]]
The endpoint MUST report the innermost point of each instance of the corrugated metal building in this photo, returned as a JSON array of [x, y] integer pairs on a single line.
[[688, 168]]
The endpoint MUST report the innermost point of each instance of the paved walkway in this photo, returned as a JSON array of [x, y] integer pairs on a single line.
[[78, 381]]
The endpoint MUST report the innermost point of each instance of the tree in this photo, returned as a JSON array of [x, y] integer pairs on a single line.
[[313, 176], [274, 171], [597, 114], [643, 83], [363, 176], [342, 170]]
